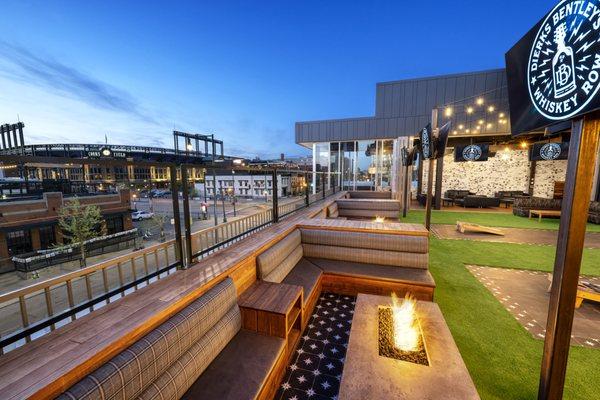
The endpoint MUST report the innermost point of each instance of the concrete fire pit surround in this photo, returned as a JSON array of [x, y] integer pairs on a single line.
[[367, 375]]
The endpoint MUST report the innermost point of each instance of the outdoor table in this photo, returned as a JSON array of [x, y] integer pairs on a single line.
[[447, 201], [544, 213], [507, 202]]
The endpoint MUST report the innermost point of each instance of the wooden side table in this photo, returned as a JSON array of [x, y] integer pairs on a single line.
[[273, 309]]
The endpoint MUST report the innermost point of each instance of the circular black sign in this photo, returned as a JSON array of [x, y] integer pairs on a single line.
[[472, 153], [563, 71], [550, 151]]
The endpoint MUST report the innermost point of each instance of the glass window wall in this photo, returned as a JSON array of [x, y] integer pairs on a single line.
[[354, 165]]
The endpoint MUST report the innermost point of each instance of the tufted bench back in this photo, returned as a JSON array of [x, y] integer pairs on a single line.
[[167, 361], [275, 263], [364, 247]]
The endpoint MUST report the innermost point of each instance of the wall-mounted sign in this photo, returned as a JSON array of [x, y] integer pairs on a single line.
[[554, 70], [106, 152], [472, 152], [426, 142], [545, 151]]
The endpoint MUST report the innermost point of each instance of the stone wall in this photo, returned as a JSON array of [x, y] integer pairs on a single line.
[[507, 170], [546, 173]]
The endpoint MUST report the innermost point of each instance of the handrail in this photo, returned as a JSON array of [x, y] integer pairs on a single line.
[[6, 297]]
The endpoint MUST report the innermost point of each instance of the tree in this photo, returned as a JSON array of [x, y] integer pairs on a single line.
[[79, 223], [160, 220]]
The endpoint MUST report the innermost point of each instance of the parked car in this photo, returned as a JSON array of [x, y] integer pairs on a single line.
[[141, 215]]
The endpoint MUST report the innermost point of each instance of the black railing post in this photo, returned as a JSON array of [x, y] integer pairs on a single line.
[[306, 190], [175, 198], [323, 183], [275, 199], [186, 216]]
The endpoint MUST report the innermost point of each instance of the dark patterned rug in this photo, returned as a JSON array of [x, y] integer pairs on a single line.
[[316, 368]]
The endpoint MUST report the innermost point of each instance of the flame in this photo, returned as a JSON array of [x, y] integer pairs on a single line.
[[406, 334], [379, 219]]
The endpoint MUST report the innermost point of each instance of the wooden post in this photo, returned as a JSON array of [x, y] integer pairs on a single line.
[[429, 195], [406, 192], [420, 176], [583, 149], [438, 182]]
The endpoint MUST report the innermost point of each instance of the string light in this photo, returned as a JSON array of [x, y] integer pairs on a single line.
[[523, 145], [501, 115], [481, 122], [489, 126], [479, 101], [468, 131], [469, 110], [491, 109], [461, 127], [448, 112]]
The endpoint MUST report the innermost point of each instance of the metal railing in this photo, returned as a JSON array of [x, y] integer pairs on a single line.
[[33, 311]]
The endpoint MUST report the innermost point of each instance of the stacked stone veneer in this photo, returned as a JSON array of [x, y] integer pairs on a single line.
[[505, 171]]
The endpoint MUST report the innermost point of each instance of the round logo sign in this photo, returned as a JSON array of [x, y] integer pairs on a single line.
[[550, 151], [472, 152], [563, 72]]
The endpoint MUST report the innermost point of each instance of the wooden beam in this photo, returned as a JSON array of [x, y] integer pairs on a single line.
[[583, 149], [420, 176], [406, 192]]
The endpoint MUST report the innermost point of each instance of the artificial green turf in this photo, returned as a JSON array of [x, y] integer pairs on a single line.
[[502, 357], [488, 218]]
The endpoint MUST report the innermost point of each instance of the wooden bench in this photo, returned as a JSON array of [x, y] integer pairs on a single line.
[[350, 257]]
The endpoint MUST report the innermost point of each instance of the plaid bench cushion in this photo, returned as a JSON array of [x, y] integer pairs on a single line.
[[364, 240], [131, 372], [275, 263]]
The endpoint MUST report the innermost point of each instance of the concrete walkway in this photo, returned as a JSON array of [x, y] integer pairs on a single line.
[[525, 296]]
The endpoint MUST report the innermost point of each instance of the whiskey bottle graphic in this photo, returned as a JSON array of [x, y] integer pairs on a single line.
[[563, 65]]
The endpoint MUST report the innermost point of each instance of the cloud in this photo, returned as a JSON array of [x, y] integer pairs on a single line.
[[44, 71]]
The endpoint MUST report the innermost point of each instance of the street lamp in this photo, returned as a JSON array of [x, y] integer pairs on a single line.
[[134, 196], [231, 193], [223, 202]]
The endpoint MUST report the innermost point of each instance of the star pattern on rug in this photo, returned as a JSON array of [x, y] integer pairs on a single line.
[[315, 370]]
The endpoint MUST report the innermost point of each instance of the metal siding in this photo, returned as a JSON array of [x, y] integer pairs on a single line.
[[404, 107]]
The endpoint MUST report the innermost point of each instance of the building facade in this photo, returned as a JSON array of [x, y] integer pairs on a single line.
[[364, 151], [32, 224], [250, 185]]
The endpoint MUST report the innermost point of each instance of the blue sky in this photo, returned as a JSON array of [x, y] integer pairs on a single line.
[[245, 71]]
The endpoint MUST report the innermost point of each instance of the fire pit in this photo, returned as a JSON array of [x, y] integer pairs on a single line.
[[369, 374], [400, 334]]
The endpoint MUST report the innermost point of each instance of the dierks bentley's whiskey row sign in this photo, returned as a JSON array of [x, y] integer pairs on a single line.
[[554, 70]]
